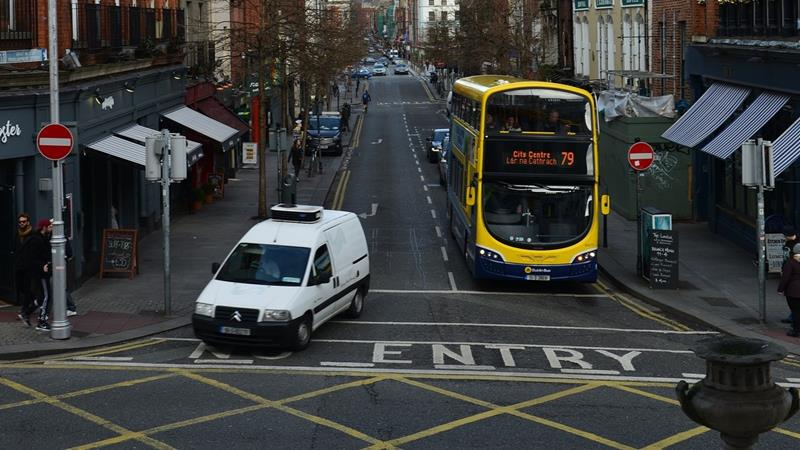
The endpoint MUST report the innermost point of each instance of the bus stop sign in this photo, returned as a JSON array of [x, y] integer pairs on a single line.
[[640, 156]]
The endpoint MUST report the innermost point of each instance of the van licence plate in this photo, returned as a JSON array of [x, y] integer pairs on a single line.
[[233, 330], [537, 277]]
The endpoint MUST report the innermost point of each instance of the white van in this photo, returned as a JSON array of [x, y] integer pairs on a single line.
[[287, 276]]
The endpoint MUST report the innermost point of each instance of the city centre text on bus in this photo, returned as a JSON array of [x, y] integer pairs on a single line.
[[522, 179]]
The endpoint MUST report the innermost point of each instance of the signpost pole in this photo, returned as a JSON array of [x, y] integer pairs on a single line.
[[762, 304], [60, 327], [638, 228], [165, 167]]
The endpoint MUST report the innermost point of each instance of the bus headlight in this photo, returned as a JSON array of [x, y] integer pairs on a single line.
[[276, 315], [585, 257], [204, 309], [488, 254]]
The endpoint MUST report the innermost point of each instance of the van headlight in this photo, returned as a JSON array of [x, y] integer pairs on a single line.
[[204, 309], [276, 315]]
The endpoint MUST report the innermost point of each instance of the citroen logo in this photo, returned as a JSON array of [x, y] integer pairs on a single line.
[[237, 316]]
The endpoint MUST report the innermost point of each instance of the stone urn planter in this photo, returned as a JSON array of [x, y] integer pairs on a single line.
[[738, 397]]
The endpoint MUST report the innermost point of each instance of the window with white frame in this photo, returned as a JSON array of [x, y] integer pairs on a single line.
[[627, 41], [641, 64], [602, 47], [577, 45], [444, 16], [612, 43], [587, 47]]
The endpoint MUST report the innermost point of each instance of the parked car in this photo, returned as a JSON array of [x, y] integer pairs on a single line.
[[324, 133], [284, 278], [379, 69], [401, 69], [361, 72], [435, 143], [445, 154]]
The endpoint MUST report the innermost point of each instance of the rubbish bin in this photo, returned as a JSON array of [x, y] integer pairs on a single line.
[[652, 218]]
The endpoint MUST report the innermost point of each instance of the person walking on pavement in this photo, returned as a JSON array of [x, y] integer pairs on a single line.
[[296, 158], [365, 99], [790, 287], [790, 236], [44, 228], [345, 125], [25, 249]]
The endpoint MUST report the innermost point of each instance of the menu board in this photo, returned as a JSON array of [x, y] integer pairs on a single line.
[[663, 259], [119, 251], [534, 157], [774, 249]]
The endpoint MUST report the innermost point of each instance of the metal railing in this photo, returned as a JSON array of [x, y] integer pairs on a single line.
[[17, 24], [759, 18], [98, 27]]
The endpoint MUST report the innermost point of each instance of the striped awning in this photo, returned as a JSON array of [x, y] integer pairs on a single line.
[[786, 148], [120, 148], [708, 113], [747, 124]]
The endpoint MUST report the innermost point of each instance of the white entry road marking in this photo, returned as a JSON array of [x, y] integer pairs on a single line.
[[522, 326], [345, 364], [103, 358], [374, 211]]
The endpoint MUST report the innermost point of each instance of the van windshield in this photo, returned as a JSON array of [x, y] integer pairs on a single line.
[[265, 264]]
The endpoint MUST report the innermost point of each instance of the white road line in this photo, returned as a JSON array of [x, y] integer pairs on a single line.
[[417, 162], [425, 188], [526, 294], [419, 169], [345, 364], [223, 361], [430, 202], [444, 254], [590, 371], [103, 358], [422, 178], [496, 375], [577, 347], [522, 326], [702, 375], [438, 230], [433, 213], [459, 368], [452, 281]]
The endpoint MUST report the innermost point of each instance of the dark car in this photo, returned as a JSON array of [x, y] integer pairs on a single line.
[[361, 72], [435, 143], [323, 132]]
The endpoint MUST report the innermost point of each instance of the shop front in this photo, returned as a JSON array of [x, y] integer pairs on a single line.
[[739, 100]]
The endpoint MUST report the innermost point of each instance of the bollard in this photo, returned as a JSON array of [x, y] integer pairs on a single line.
[[738, 397]]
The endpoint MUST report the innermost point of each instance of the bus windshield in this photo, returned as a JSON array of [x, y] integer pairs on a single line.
[[538, 111], [537, 215], [266, 264]]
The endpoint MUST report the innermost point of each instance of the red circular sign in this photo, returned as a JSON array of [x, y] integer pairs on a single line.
[[54, 141], [640, 156]]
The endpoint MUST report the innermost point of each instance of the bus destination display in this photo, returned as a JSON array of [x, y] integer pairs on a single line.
[[535, 157]]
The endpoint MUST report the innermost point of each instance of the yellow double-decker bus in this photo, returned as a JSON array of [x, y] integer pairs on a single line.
[[522, 179]]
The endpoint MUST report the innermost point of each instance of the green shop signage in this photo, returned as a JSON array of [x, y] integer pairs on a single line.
[[581, 4], [632, 2], [604, 3]]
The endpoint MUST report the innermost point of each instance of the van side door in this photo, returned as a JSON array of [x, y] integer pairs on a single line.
[[321, 284]]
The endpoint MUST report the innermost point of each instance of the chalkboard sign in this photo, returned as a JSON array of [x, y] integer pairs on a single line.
[[119, 251], [664, 259]]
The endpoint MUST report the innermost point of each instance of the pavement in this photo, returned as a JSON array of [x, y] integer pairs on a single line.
[[718, 283]]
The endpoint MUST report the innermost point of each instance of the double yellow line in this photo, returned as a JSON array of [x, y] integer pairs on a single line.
[[338, 199], [641, 311]]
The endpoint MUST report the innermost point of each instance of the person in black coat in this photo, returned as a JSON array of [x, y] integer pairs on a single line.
[[29, 248], [790, 287]]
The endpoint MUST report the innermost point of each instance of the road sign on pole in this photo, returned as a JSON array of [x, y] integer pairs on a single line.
[[640, 156], [54, 141]]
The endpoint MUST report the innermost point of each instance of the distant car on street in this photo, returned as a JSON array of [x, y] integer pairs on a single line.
[[435, 143], [362, 72], [369, 60], [378, 69], [401, 69], [324, 133]]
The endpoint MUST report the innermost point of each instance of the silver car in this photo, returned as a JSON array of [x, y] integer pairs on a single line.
[[378, 69], [401, 69]]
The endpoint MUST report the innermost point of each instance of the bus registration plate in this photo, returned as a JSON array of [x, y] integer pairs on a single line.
[[233, 330], [537, 277]]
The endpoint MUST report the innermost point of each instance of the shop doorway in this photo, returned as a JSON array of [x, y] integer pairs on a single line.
[[7, 232]]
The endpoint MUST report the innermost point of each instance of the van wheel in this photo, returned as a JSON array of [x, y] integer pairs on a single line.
[[301, 335], [356, 305]]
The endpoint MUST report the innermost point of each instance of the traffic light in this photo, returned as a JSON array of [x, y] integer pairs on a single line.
[[177, 151], [154, 147]]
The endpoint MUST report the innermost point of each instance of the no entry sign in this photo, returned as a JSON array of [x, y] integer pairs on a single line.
[[640, 156], [54, 141]]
